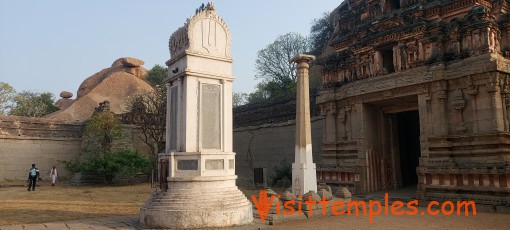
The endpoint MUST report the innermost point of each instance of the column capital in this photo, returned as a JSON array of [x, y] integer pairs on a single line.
[[302, 58]]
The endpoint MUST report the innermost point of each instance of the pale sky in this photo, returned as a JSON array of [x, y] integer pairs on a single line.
[[54, 45]]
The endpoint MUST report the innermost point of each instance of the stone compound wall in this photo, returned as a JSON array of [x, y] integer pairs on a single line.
[[271, 112], [267, 129], [265, 132], [24, 141], [269, 145]]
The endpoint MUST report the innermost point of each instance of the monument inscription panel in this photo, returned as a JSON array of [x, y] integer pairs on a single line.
[[211, 116], [187, 164], [231, 164], [214, 164], [173, 117]]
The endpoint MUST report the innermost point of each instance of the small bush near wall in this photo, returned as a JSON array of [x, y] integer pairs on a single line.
[[109, 165], [282, 174]]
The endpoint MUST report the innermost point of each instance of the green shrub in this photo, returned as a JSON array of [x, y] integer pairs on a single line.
[[126, 162], [282, 172]]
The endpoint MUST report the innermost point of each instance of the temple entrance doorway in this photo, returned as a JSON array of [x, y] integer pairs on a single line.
[[392, 144], [401, 142], [408, 125]]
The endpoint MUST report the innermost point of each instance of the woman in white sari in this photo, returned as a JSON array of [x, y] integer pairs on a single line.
[[53, 175]]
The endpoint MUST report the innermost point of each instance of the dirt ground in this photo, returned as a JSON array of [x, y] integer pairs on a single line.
[[418, 222], [65, 202]]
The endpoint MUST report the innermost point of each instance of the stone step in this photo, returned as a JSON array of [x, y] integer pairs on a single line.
[[205, 195], [199, 203], [200, 198], [179, 206]]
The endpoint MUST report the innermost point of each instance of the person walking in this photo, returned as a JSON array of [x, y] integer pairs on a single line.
[[53, 175], [33, 174]]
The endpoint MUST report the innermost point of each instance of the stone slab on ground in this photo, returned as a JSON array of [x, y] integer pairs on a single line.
[[107, 223], [12, 227], [35, 226], [315, 212], [481, 221]]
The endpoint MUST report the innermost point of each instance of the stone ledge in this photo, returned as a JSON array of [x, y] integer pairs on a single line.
[[504, 190], [23, 137], [202, 178], [271, 125]]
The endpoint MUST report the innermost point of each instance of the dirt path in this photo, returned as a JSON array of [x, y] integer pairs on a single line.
[[117, 207], [426, 222]]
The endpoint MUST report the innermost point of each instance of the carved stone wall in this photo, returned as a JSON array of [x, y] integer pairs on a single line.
[[445, 60], [372, 39]]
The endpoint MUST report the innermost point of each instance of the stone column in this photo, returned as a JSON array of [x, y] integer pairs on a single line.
[[304, 177], [493, 89], [473, 91]]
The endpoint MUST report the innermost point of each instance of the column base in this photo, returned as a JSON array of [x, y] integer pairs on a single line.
[[196, 208], [304, 178]]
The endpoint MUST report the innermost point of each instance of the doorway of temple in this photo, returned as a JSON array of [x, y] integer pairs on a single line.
[[408, 134]]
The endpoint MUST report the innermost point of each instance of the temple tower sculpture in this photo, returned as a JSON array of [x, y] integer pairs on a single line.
[[198, 182], [416, 94]]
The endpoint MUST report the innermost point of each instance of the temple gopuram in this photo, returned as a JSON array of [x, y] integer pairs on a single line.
[[416, 94]]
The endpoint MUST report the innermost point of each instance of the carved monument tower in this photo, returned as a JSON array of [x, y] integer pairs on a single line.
[[198, 182]]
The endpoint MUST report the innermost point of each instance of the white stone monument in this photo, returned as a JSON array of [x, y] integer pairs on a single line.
[[198, 182], [304, 178]]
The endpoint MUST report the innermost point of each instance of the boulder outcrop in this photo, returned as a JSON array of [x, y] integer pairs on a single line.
[[65, 100], [115, 84]]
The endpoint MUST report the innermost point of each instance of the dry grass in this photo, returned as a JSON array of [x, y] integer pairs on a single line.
[[64, 202]]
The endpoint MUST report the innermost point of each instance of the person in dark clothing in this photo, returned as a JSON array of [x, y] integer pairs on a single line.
[[33, 174]]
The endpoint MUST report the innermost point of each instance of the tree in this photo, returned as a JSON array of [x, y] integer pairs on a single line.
[[239, 99], [6, 97], [321, 31], [100, 131], [273, 66], [260, 94], [157, 75], [148, 111], [32, 104]]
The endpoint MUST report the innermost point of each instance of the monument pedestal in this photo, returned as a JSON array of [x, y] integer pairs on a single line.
[[198, 202], [200, 192]]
